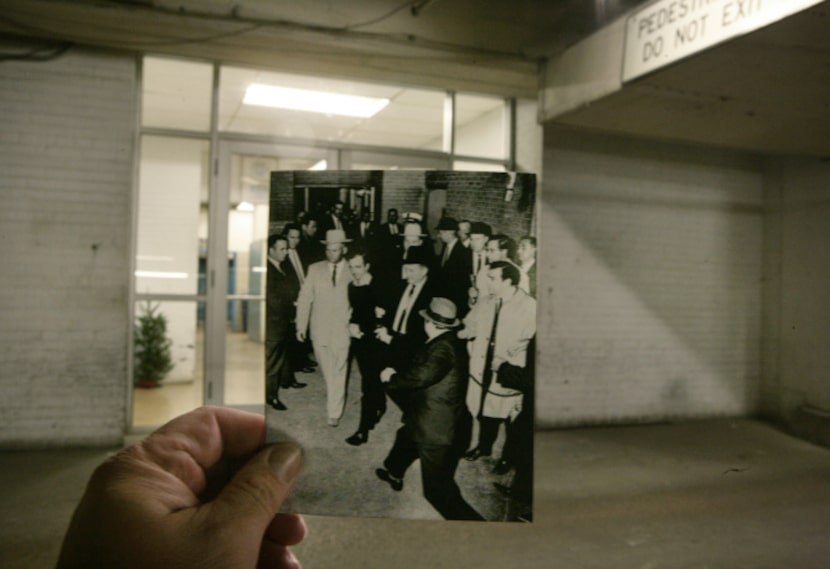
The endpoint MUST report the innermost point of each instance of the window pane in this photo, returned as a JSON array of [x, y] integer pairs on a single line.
[[413, 118], [480, 126], [181, 389], [245, 352], [172, 215], [176, 94]]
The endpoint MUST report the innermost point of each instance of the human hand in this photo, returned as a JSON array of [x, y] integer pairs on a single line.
[[379, 312], [300, 336], [200, 492], [383, 335], [354, 331], [386, 374]]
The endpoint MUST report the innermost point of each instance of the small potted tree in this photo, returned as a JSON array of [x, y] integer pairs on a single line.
[[152, 347]]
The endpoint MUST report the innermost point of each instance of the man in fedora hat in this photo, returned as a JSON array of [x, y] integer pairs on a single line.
[[454, 266], [415, 242], [401, 323], [434, 421], [323, 306]]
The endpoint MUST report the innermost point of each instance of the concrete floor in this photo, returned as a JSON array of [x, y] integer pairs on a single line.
[[712, 494]]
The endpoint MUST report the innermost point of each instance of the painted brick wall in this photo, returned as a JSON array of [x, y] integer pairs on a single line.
[[66, 155], [482, 199], [650, 281], [405, 191], [797, 299]]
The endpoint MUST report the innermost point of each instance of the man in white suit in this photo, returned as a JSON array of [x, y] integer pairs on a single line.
[[323, 304]]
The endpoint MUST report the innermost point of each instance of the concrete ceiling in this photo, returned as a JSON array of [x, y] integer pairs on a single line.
[[765, 92], [488, 46]]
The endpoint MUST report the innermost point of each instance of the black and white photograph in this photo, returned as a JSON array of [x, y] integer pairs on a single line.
[[400, 341]]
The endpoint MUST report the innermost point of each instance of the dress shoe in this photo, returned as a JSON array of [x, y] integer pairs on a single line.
[[296, 385], [395, 483], [277, 404], [307, 369], [475, 454], [333, 422], [358, 439], [502, 467]]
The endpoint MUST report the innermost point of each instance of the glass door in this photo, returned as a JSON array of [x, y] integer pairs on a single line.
[[236, 362]]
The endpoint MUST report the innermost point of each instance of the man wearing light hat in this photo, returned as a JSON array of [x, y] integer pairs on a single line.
[[435, 421], [323, 305]]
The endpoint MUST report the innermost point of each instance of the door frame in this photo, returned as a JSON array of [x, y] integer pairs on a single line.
[[217, 259]]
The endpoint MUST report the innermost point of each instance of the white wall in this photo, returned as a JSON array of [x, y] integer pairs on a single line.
[[797, 277], [650, 281], [66, 158]]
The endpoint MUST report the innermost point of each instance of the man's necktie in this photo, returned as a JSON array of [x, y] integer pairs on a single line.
[[400, 325], [334, 274], [446, 255], [487, 376]]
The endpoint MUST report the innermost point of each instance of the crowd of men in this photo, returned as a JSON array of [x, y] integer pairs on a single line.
[[444, 330]]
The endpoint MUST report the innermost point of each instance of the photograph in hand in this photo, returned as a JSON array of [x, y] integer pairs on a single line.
[[400, 341]]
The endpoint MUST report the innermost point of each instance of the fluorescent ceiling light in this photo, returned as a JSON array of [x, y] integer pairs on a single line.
[[321, 165], [313, 101], [160, 275]]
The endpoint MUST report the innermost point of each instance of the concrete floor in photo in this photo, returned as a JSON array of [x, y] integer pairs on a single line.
[[722, 493]]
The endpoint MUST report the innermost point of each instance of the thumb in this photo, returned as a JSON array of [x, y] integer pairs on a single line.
[[252, 498]]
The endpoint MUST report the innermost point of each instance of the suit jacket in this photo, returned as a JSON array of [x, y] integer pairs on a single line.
[[434, 388], [454, 276], [370, 233], [527, 282], [280, 293], [385, 230], [310, 251], [325, 306], [326, 222], [405, 344]]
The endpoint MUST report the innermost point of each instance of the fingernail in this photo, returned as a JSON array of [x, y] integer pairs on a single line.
[[285, 461]]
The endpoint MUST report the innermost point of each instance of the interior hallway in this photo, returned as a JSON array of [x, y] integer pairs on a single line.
[[716, 494]]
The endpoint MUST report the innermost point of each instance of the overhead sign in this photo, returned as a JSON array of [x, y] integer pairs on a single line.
[[668, 30]]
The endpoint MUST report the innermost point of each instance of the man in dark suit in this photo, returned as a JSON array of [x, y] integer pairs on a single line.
[[389, 246], [401, 322], [300, 354], [391, 228], [366, 228], [281, 292], [435, 416], [309, 247], [526, 257], [334, 219], [455, 265]]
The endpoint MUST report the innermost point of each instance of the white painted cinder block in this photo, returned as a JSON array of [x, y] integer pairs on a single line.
[[650, 282], [66, 150]]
